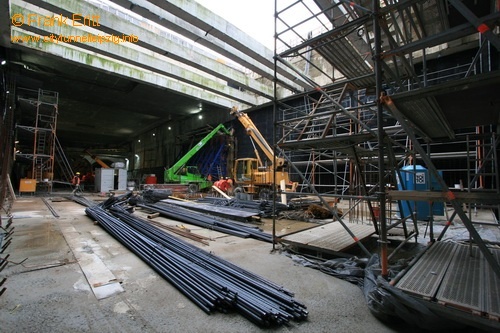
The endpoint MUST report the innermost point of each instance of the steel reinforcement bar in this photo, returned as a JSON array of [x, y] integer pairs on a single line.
[[212, 283]]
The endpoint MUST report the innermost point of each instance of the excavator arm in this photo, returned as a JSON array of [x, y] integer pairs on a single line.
[[255, 134], [97, 159]]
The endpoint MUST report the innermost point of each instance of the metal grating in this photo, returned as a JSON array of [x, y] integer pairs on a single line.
[[456, 276], [463, 280], [427, 115], [345, 58], [331, 236], [492, 298], [425, 276]]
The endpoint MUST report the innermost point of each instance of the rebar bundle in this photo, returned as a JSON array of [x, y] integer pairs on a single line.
[[82, 200], [212, 283], [156, 195], [263, 207], [210, 222]]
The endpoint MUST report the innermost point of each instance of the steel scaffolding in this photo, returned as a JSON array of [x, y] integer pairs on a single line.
[[380, 98], [44, 139]]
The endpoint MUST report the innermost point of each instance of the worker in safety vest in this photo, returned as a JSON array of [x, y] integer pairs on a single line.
[[75, 181]]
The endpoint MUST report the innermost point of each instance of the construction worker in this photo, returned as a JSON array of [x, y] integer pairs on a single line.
[[75, 181]]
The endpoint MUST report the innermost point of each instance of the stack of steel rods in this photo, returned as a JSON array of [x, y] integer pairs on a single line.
[[218, 224], [180, 232], [262, 207], [210, 282], [82, 200]]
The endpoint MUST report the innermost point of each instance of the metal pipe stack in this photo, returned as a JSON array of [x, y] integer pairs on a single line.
[[210, 222], [212, 283], [264, 208]]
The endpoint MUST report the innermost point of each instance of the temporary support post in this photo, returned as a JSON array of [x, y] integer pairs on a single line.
[[380, 130]]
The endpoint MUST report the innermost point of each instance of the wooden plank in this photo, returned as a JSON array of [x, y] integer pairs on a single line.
[[331, 236], [221, 193], [223, 211]]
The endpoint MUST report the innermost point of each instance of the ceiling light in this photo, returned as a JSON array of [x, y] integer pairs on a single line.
[[200, 117], [154, 134], [169, 128], [3, 62], [139, 140]]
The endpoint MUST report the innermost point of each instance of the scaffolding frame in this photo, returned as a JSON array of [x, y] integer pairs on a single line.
[[383, 49], [45, 143]]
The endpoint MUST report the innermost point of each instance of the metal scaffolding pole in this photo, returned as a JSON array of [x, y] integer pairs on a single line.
[[380, 130]]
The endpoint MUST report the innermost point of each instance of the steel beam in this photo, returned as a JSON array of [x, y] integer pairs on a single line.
[[120, 68], [159, 42], [480, 26], [157, 12], [454, 33]]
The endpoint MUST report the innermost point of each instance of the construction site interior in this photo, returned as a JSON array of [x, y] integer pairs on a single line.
[[364, 148]]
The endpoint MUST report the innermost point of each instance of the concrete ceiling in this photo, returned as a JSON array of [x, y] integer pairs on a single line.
[[99, 108], [96, 109]]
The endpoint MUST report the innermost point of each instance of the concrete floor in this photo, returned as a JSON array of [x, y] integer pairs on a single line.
[[47, 290]]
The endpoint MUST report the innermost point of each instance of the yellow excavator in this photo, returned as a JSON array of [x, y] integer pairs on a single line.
[[252, 175]]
